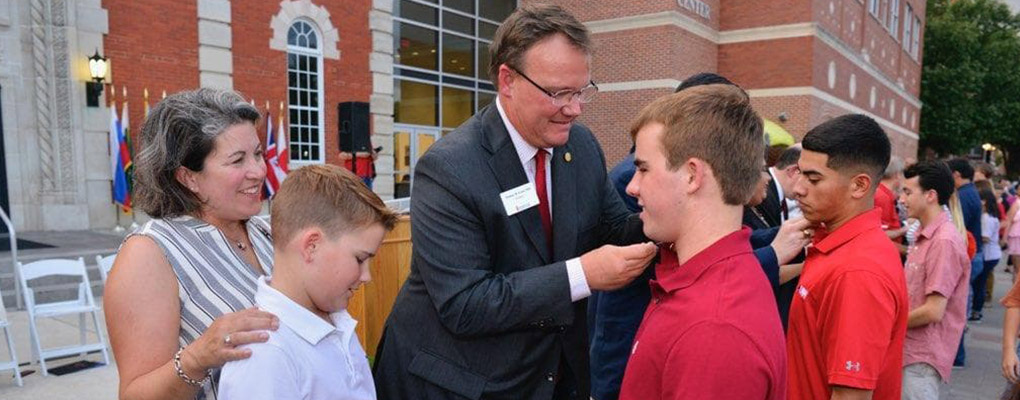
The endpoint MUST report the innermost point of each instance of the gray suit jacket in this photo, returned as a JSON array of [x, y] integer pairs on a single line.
[[485, 312]]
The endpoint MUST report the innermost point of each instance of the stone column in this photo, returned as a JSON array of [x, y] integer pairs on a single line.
[[380, 22], [215, 59]]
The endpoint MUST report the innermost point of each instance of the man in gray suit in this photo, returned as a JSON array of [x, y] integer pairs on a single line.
[[514, 223]]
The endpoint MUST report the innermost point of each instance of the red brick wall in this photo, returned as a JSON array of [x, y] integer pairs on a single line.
[[743, 14], [885, 98], [806, 112], [610, 115], [147, 53], [261, 72], [767, 64], [600, 10], [662, 52], [797, 109]]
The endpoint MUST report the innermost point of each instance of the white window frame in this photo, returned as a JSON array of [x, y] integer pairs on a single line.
[[894, 18], [873, 7], [319, 91], [908, 27]]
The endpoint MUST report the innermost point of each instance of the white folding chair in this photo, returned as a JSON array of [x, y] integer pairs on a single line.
[[13, 364], [105, 264], [84, 304]]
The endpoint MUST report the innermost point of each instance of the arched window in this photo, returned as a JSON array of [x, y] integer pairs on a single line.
[[304, 93]]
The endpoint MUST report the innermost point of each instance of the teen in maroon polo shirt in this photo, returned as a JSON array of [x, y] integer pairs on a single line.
[[849, 314], [711, 330]]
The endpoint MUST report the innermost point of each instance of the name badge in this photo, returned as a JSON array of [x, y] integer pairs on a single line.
[[519, 199]]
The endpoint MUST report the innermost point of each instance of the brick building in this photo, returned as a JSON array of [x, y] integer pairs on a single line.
[[802, 61], [421, 65]]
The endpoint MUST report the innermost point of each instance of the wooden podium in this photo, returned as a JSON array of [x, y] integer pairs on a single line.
[[371, 304]]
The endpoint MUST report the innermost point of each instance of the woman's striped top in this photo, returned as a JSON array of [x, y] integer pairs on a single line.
[[213, 278]]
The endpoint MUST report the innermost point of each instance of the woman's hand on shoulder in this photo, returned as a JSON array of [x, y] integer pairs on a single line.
[[219, 344]]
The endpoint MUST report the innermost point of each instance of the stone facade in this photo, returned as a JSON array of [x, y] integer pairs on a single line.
[[57, 170]]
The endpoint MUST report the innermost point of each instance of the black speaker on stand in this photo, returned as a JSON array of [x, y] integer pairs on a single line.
[[354, 130]]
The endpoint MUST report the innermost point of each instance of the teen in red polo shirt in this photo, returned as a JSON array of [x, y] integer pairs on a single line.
[[849, 315], [711, 330]]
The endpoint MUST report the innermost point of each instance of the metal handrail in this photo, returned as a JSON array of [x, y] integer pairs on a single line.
[[14, 255]]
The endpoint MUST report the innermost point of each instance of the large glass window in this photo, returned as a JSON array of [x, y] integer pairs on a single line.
[[304, 93], [440, 70], [894, 17], [908, 24]]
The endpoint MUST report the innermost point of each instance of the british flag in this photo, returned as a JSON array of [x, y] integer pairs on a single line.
[[276, 168]]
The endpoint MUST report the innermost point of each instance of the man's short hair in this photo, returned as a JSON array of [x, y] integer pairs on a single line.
[[328, 197], [854, 143], [714, 123], [703, 78], [933, 175], [962, 166], [788, 157], [894, 168], [527, 26]]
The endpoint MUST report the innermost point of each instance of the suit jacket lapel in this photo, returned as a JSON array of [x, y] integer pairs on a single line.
[[564, 200], [506, 167]]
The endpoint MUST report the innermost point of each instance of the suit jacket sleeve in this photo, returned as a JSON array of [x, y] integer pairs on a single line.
[[767, 258], [452, 258]]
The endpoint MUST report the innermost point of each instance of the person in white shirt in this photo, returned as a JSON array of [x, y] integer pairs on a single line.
[[990, 248], [326, 226]]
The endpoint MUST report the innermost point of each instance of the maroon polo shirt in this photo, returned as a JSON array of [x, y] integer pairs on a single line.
[[711, 330]]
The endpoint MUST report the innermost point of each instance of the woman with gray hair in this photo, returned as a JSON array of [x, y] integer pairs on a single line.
[[179, 298]]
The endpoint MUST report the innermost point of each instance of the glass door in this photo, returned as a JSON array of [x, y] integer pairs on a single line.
[[410, 142]]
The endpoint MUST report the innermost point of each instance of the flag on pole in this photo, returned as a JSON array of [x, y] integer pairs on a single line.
[[114, 140], [121, 194], [126, 152], [145, 115], [274, 174], [281, 145]]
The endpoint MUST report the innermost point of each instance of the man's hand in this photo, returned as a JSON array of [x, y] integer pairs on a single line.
[[611, 267], [793, 235]]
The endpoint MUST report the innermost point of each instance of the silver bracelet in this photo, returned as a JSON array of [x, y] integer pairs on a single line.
[[185, 377]]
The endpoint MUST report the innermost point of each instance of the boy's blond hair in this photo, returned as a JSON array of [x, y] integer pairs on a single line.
[[328, 197]]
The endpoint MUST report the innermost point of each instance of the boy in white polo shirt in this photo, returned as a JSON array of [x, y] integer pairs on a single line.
[[326, 226]]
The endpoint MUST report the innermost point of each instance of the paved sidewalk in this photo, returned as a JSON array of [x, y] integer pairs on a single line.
[[95, 383], [982, 378]]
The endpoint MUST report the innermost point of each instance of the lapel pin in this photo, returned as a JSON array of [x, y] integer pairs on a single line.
[[567, 157]]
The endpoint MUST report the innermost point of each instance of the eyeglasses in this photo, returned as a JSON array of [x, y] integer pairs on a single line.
[[565, 96]]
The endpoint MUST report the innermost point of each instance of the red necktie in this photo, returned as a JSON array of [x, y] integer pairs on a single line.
[[543, 198]]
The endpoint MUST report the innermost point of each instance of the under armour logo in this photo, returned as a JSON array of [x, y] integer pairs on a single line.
[[802, 291], [853, 367]]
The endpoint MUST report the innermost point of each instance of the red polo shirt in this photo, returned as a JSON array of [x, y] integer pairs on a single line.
[[848, 319], [885, 200], [711, 330]]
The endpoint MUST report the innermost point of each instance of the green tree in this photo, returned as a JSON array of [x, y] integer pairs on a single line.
[[970, 85]]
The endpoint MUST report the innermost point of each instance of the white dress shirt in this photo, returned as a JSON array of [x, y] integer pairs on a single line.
[[792, 208], [526, 152], [306, 358]]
